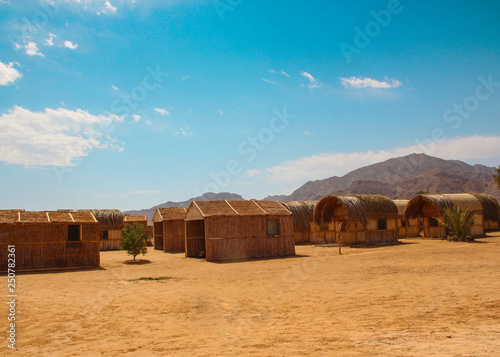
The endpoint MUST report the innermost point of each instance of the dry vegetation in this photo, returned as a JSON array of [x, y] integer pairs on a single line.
[[422, 297]]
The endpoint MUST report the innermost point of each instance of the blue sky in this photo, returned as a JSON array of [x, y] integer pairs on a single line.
[[127, 104]]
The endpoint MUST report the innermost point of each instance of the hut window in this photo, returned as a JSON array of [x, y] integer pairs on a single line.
[[382, 224], [73, 233], [433, 222], [273, 227], [105, 235]]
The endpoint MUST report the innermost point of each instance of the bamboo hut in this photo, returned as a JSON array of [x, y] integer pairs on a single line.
[[430, 209], [491, 211], [225, 230], [359, 219], [110, 227], [410, 228], [49, 240], [306, 231], [169, 229]]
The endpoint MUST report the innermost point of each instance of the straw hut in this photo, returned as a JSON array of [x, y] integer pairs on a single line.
[[225, 230], [430, 209], [169, 229], [110, 227], [410, 228], [491, 211], [306, 231], [49, 240], [142, 220], [359, 219]]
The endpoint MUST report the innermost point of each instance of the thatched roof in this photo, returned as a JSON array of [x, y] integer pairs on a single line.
[[401, 205], [169, 214], [129, 219], [358, 207], [303, 214], [491, 208], [12, 217], [414, 206], [107, 217], [239, 208], [464, 200]]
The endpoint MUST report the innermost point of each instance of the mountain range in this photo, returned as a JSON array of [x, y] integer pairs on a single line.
[[401, 177]]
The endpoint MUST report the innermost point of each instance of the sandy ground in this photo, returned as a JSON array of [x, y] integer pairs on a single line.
[[421, 297]]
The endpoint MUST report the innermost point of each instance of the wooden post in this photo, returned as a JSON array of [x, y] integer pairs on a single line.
[[340, 228]]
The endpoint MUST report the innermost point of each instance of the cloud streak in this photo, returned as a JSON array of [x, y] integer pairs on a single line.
[[358, 83], [313, 82]]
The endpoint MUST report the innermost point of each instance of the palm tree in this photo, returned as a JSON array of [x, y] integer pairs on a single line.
[[460, 222]]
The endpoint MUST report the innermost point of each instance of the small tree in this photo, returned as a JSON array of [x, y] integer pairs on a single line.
[[497, 177], [134, 241], [460, 222]]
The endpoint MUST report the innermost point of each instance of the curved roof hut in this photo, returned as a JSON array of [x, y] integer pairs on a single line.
[[491, 210], [110, 227], [305, 230], [429, 207], [359, 219]]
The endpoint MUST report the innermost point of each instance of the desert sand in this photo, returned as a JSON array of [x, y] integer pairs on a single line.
[[420, 297]]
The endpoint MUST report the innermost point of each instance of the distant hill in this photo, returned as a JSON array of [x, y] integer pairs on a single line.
[[209, 196], [403, 177]]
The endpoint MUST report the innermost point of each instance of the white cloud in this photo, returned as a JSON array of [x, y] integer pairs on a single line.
[[313, 82], [161, 111], [50, 41], [107, 9], [253, 172], [269, 81], [184, 131], [143, 192], [136, 118], [329, 164], [55, 137], [70, 45], [355, 82], [8, 74], [32, 49]]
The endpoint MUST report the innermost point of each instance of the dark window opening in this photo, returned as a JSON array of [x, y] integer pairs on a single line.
[[273, 227], [105, 235], [433, 222], [382, 224], [73, 233]]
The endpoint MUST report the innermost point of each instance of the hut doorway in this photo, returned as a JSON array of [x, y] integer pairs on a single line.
[[195, 238], [158, 235]]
